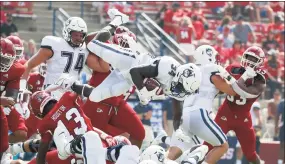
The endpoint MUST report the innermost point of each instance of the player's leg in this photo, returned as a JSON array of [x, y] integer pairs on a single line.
[[200, 124], [246, 136], [127, 120], [128, 155], [114, 85], [281, 152], [98, 113], [92, 148], [4, 133], [223, 121], [118, 57]]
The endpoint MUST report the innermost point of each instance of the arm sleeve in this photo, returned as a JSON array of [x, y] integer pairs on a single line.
[[84, 90], [105, 34], [139, 73]]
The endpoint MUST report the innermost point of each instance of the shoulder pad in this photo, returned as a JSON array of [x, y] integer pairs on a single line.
[[51, 41]]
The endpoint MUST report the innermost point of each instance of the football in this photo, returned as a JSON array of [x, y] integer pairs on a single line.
[[151, 84]]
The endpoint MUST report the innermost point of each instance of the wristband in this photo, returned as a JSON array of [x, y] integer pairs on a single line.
[[23, 84]]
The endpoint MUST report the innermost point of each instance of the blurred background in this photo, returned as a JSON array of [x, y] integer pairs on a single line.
[[176, 29]]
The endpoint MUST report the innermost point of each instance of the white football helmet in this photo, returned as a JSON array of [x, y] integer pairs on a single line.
[[74, 24], [43, 69], [186, 81], [154, 153], [205, 54]]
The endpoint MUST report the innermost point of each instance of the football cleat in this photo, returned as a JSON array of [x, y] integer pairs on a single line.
[[60, 140], [198, 151], [158, 138], [116, 13]]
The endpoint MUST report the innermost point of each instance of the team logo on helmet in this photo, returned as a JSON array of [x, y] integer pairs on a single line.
[[209, 51], [160, 156]]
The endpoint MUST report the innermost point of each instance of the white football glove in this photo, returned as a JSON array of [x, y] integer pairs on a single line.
[[225, 74], [248, 74], [145, 96], [7, 110], [65, 81], [23, 110]]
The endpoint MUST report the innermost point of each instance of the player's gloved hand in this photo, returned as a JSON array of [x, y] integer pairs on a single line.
[[23, 110], [115, 12], [65, 81], [225, 74], [7, 101], [248, 74], [181, 135], [7, 110]]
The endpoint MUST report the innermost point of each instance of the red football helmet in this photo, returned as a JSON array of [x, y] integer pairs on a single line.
[[38, 101], [253, 57], [18, 44], [7, 56], [119, 39]]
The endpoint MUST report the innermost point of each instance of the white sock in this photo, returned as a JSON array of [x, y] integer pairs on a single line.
[[167, 141], [238, 161], [67, 149], [280, 161], [117, 21], [192, 160], [204, 162], [17, 148]]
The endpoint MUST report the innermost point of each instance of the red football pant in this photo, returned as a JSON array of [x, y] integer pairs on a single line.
[[125, 119], [242, 126], [4, 142]]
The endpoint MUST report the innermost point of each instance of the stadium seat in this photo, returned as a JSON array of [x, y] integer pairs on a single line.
[[18, 9]]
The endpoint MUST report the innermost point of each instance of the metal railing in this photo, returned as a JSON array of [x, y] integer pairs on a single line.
[[156, 40], [59, 17]]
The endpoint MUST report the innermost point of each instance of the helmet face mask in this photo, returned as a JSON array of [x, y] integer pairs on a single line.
[[186, 81], [7, 56], [74, 31], [120, 36], [18, 45], [253, 57]]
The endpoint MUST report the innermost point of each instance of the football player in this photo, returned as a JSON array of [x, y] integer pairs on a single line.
[[115, 111], [19, 47], [69, 54], [10, 74], [196, 107], [36, 79], [234, 113], [132, 67], [73, 123]]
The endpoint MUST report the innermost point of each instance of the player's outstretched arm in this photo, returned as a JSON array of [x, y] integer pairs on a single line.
[[41, 156], [42, 55], [251, 91], [83, 90], [222, 85], [97, 64]]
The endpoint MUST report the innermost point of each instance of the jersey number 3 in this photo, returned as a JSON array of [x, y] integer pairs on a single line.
[[240, 101], [79, 62], [77, 118]]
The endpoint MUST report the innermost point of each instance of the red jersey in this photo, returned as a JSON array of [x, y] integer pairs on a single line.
[[168, 19], [35, 82], [32, 125], [22, 61], [11, 78], [199, 28], [236, 104], [276, 29], [67, 111], [16, 121], [96, 79], [184, 34]]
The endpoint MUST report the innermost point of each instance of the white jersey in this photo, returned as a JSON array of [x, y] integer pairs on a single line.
[[204, 98], [65, 59], [166, 71]]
